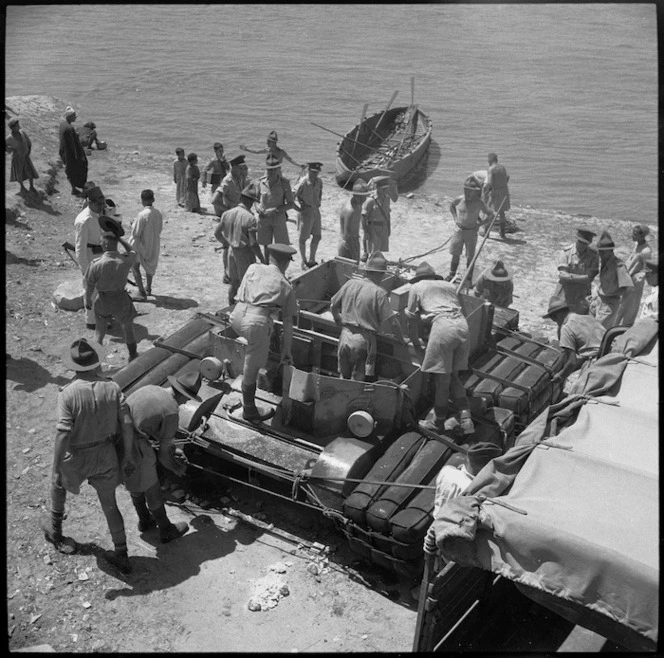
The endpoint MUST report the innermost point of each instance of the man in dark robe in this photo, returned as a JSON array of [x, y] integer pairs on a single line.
[[72, 153]]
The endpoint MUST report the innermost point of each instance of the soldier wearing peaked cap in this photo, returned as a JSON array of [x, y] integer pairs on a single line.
[[308, 195], [578, 265], [237, 231], [350, 219], [107, 275], [272, 149], [360, 307], [275, 199], [263, 293], [614, 281]]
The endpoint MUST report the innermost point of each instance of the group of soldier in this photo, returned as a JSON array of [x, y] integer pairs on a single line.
[[253, 232]]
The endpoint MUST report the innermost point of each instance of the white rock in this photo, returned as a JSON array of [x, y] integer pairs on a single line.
[[68, 296]]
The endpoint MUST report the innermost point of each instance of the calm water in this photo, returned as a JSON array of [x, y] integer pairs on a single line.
[[565, 94]]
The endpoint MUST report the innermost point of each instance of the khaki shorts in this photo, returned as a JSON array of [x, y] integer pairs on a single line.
[[448, 348], [256, 329], [309, 224], [272, 230], [356, 353], [116, 304]]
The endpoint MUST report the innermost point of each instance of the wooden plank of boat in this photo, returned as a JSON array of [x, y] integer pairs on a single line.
[[398, 140]]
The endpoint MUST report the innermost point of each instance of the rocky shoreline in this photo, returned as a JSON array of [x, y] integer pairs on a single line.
[[66, 601]]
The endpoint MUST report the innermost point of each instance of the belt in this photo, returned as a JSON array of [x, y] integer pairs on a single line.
[[355, 327], [472, 228], [110, 437], [373, 221], [265, 311]]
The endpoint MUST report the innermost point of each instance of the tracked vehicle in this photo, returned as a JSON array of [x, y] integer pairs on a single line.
[[350, 449]]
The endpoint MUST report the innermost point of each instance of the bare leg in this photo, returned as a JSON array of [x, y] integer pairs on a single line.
[[303, 252], [441, 403], [148, 283], [139, 280], [100, 330], [130, 339]]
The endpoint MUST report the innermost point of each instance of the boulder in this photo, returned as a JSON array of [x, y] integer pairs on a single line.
[[68, 296]]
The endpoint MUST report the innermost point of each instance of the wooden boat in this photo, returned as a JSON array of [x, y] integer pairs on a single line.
[[377, 485], [391, 143]]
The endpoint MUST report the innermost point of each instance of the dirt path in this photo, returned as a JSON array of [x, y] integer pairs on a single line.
[[193, 594]]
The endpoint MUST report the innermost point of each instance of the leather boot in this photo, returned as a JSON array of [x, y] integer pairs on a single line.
[[119, 559], [168, 531], [250, 411], [145, 519], [52, 528], [133, 352]]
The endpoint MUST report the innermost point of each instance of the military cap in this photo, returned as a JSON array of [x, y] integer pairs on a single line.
[[281, 251], [273, 136], [83, 355], [12, 122], [271, 162], [555, 304], [498, 272], [361, 188], [237, 160], [605, 241], [375, 263], [111, 227], [188, 384], [585, 235], [480, 454], [425, 271], [315, 166], [251, 192]]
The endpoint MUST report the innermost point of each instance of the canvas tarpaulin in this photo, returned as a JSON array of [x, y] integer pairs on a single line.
[[576, 516]]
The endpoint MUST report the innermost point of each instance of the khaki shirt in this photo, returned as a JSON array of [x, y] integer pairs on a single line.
[[265, 285], [612, 277], [90, 410], [154, 412], [275, 195], [309, 194], [361, 303], [582, 334], [236, 227], [109, 272], [231, 189], [433, 297]]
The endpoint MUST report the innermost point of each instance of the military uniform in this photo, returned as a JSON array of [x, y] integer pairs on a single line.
[[263, 292], [363, 307], [467, 224], [87, 244], [570, 261], [613, 278], [309, 196], [108, 275], [227, 195], [582, 334], [273, 229], [237, 230]]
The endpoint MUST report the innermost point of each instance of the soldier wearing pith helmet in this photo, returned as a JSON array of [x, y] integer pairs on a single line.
[[263, 294]]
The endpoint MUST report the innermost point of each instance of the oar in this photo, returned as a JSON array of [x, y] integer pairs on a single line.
[[359, 125], [412, 90], [394, 95]]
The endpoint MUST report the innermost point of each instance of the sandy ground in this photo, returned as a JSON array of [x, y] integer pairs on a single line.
[[193, 594]]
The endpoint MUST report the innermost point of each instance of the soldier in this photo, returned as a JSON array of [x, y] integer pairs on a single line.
[[376, 215], [629, 306], [87, 237], [466, 213], [237, 231], [264, 292], [92, 412], [272, 149], [495, 285], [216, 168], [155, 415], [350, 218], [108, 276], [496, 185], [578, 265], [275, 199], [360, 307], [614, 280], [580, 336], [434, 302], [308, 194]]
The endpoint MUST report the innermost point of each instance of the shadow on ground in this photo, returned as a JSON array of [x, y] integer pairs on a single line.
[[30, 376], [175, 303]]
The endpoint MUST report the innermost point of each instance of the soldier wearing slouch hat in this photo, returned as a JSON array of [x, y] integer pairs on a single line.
[[578, 265]]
